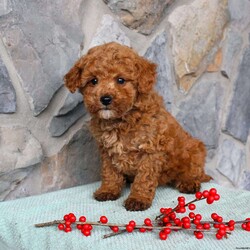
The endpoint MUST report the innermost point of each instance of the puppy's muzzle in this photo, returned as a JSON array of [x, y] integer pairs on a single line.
[[106, 100]]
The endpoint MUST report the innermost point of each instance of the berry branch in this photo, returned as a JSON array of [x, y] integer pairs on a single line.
[[166, 222]]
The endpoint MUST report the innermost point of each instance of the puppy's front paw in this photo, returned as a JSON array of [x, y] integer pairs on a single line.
[[132, 204], [189, 187], [105, 196]]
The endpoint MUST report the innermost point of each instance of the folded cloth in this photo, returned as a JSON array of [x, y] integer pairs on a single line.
[[17, 219]]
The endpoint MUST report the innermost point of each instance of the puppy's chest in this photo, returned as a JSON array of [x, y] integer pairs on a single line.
[[122, 149], [116, 143]]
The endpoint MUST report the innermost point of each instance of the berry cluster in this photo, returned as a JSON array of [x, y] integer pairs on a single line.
[[81, 224], [194, 220], [210, 195], [167, 222], [246, 225]]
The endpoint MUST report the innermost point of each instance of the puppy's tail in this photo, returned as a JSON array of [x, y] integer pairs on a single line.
[[206, 178]]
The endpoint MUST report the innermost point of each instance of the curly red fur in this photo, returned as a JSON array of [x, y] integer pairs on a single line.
[[137, 137]]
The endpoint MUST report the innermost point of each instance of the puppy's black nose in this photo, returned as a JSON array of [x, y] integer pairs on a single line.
[[106, 100]]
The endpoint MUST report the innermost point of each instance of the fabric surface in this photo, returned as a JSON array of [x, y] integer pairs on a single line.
[[17, 219]]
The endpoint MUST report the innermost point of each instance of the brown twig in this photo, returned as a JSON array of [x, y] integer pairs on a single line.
[[55, 222]]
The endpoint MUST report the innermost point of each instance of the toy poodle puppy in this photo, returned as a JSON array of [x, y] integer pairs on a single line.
[[137, 137]]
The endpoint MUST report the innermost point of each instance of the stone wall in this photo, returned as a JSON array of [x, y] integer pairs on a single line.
[[202, 49]]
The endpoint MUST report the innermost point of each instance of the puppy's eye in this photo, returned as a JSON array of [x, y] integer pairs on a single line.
[[94, 81], [120, 80]]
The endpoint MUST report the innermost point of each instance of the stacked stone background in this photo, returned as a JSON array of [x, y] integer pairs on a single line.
[[202, 49]]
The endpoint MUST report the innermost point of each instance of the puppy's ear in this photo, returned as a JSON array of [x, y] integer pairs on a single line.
[[147, 75], [72, 79]]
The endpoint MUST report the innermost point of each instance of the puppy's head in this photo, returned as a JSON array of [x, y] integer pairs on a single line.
[[110, 78]]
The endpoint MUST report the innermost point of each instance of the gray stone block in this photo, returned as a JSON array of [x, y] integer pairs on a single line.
[[141, 15], [5, 7], [231, 161], [60, 124], [43, 40], [18, 148], [77, 163], [9, 181], [71, 101], [157, 53], [199, 112], [231, 49], [245, 184], [7, 92], [238, 118], [109, 31], [239, 12]]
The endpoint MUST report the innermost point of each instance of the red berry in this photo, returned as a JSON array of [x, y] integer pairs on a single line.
[[67, 229], [196, 222], [214, 216], [198, 217], [181, 210], [222, 226], [191, 206], [218, 236], [60, 226], [198, 195], [86, 232], [244, 226], [165, 219], [67, 223], [181, 203], [71, 214], [115, 229], [129, 228], [199, 235], [142, 230], [247, 219], [66, 217], [169, 210], [216, 225], [132, 223], [162, 210], [163, 235], [222, 232], [186, 225], [86, 227], [231, 223], [103, 219], [147, 222], [82, 219], [205, 194], [216, 197], [199, 226], [219, 219], [72, 219], [177, 221], [167, 230], [191, 215], [181, 198], [172, 216], [185, 219], [79, 227], [206, 226], [231, 228], [210, 199], [212, 191]]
